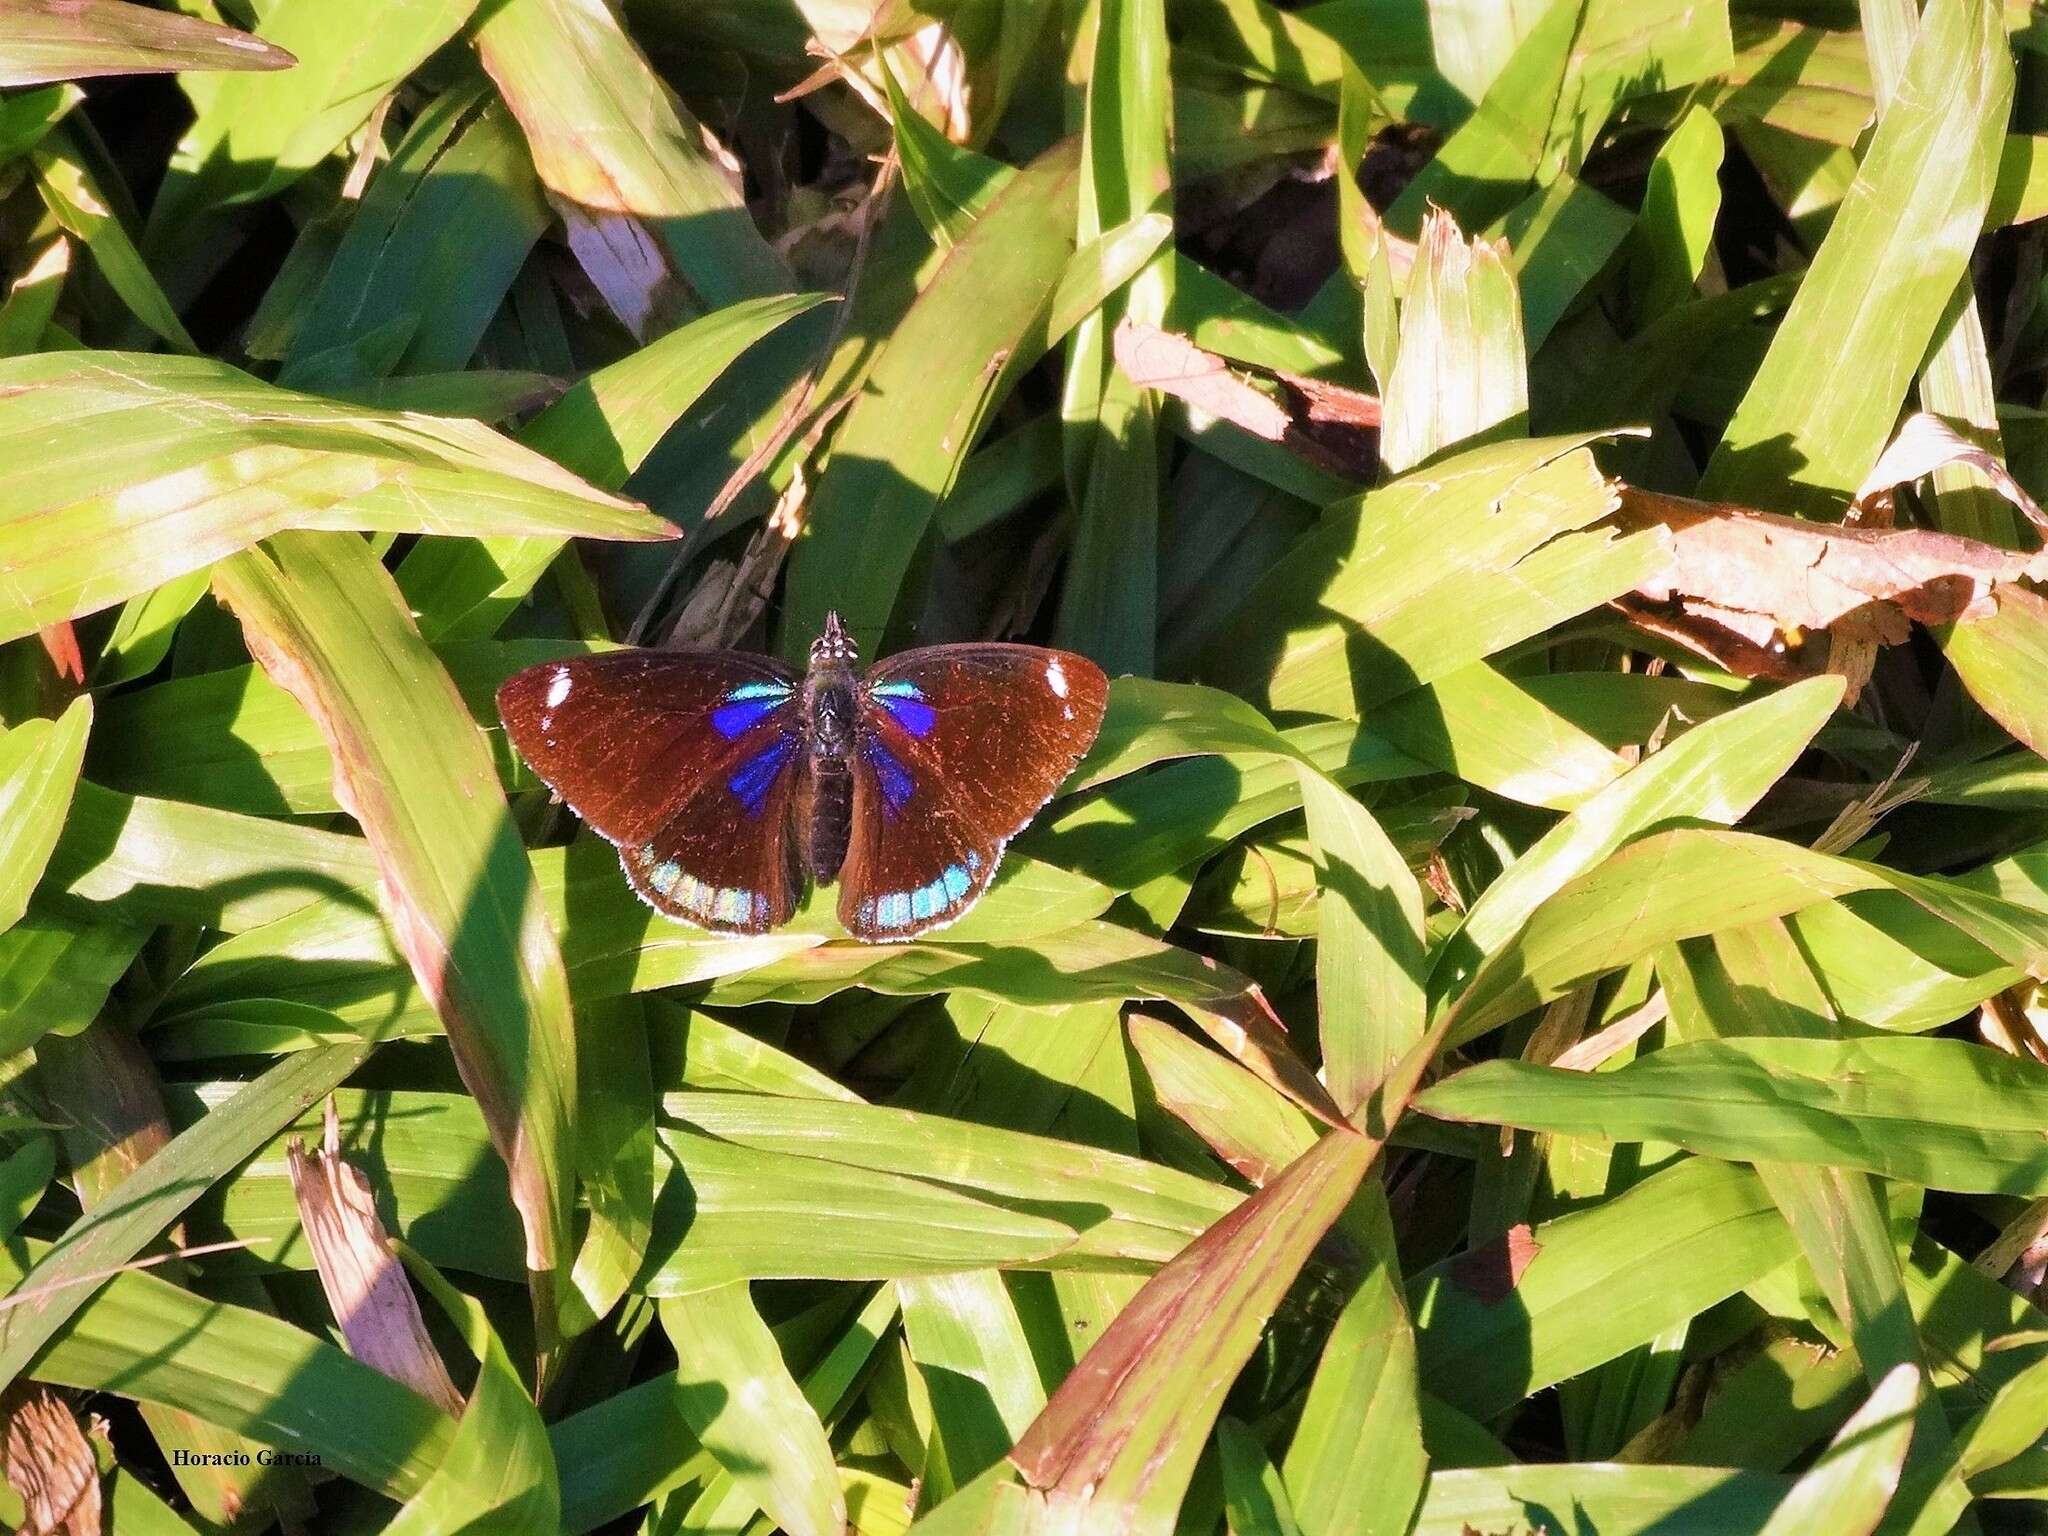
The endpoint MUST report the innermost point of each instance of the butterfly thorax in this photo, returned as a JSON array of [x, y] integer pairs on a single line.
[[830, 707]]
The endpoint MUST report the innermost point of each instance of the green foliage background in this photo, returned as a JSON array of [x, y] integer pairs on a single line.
[[1450, 1060]]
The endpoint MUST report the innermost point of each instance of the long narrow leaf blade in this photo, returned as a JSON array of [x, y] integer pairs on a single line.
[[147, 467], [326, 621]]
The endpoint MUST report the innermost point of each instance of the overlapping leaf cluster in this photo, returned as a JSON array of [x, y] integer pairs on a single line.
[[1527, 1017]]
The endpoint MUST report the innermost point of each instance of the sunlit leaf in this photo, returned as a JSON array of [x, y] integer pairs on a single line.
[[149, 467], [413, 770], [46, 41], [39, 762]]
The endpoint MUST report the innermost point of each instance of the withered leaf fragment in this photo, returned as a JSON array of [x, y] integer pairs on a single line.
[[1745, 587], [1323, 422], [1859, 583], [1493, 1270], [365, 1284], [50, 1464]]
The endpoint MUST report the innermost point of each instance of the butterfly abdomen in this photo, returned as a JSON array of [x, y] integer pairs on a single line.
[[831, 817], [829, 731]]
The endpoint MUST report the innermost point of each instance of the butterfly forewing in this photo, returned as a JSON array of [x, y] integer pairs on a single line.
[[959, 746], [683, 759]]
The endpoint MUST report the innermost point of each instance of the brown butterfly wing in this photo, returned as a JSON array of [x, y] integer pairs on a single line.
[[686, 760], [959, 746]]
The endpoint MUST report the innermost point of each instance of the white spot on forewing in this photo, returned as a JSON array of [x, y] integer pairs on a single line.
[[558, 687], [1056, 677]]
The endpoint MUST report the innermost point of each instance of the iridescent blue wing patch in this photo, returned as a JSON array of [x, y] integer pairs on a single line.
[[756, 775], [891, 777], [906, 703], [746, 706]]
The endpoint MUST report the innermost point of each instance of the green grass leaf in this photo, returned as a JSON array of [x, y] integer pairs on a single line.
[[39, 763], [1357, 1461], [150, 467], [1109, 605], [56, 972], [1703, 881], [249, 1372], [1587, 1498], [71, 192], [1414, 581], [1119, 1439], [970, 331], [1674, 232], [1485, 728], [1246, 1122], [728, 1212], [1369, 951], [1946, 1114], [151, 1198], [1493, 1327], [499, 1471], [626, 163], [1880, 281], [748, 1411], [2002, 659], [1462, 373], [1850, 1486], [462, 166], [969, 1345], [1714, 773], [603, 428], [326, 621], [112, 37], [253, 135], [1128, 1212]]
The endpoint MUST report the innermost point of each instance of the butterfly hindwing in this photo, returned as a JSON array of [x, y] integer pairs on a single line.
[[726, 860], [958, 748], [685, 760]]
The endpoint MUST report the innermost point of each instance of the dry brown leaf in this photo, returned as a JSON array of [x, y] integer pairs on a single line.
[[1492, 1270], [2018, 1256], [49, 1463], [365, 1284], [1927, 443], [1590, 1052], [1436, 872], [944, 68], [627, 265], [2007, 1022], [1318, 420], [1853, 582], [1333, 405], [60, 641], [1744, 644], [1156, 359], [1747, 588]]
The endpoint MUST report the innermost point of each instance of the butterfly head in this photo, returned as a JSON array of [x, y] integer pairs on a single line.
[[835, 644]]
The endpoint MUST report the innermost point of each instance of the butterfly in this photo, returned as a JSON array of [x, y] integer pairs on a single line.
[[726, 779]]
